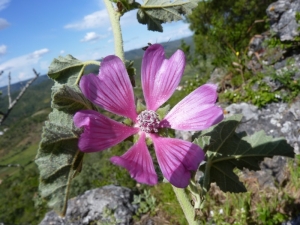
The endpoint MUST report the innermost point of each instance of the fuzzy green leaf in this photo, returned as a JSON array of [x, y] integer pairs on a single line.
[[162, 112], [65, 69], [140, 106], [131, 71], [155, 12], [228, 150], [58, 159], [69, 99], [126, 5]]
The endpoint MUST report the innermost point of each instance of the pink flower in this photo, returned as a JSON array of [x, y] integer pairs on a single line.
[[112, 91]]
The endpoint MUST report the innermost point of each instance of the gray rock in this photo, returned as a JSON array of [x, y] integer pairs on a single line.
[[282, 18], [217, 77], [184, 135], [106, 205], [276, 119], [295, 221], [249, 111]]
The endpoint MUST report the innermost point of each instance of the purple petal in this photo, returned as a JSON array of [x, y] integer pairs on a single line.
[[151, 63], [138, 162], [177, 158], [197, 111], [111, 89], [160, 76], [100, 132]]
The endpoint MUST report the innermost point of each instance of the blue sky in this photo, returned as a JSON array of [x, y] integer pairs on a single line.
[[34, 32]]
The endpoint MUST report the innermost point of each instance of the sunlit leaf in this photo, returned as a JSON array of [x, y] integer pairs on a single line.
[[69, 99], [162, 112], [155, 12], [131, 71], [228, 150], [65, 69], [58, 159], [125, 5]]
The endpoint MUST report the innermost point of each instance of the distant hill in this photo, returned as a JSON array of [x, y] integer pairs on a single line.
[[169, 46], [19, 85], [135, 54]]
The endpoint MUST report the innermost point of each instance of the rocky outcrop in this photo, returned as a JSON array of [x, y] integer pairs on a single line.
[[284, 25], [276, 119], [105, 205], [282, 16]]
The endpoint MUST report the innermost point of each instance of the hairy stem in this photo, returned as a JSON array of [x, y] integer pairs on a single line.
[[206, 181], [187, 208], [197, 193], [114, 17], [82, 69]]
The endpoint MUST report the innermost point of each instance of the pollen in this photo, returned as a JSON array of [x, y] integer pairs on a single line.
[[148, 121]]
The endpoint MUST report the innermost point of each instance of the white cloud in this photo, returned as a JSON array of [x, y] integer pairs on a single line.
[[92, 36], [24, 60], [62, 52], [3, 23], [38, 53], [3, 49], [3, 4], [21, 67], [96, 19]]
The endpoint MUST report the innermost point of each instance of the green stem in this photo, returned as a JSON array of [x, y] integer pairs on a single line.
[[114, 17], [187, 208], [196, 193], [206, 179], [82, 69]]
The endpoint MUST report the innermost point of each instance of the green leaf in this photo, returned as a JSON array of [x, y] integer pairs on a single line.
[[131, 71], [140, 106], [126, 5], [162, 112], [65, 69], [155, 12], [69, 99], [228, 150], [58, 159]]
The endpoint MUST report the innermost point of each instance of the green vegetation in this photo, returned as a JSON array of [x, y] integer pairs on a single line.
[[257, 206], [18, 195], [146, 203], [36, 98], [224, 28], [223, 33], [21, 204], [258, 91]]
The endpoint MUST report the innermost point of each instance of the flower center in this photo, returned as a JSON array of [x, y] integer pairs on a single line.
[[148, 121]]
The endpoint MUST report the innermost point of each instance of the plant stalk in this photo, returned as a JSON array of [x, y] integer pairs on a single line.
[[187, 208], [206, 180], [114, 17]]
